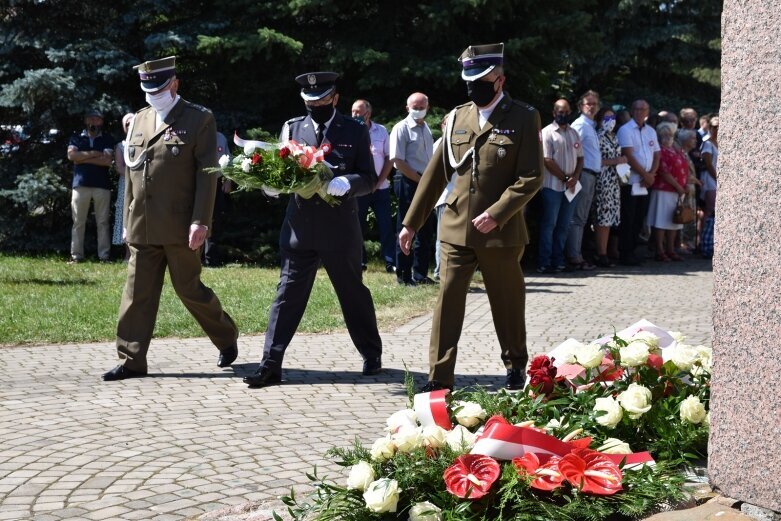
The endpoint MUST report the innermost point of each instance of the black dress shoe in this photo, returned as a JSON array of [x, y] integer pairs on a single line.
[[433, 385], [121, 372], [262, 378], [427, 281], [390, 268], [372, 366], [228, 356], [515, 380]]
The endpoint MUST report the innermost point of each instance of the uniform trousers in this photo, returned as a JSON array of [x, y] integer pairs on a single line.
[[299, 267], [506, 291], [633, 211], [141, 299]]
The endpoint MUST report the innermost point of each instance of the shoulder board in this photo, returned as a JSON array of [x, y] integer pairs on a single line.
[[293, 120], [463, 105], [524, 105], [145, 109], [195, 106]]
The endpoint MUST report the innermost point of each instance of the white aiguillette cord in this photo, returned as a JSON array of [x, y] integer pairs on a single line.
[[449, 124], [141, 156]]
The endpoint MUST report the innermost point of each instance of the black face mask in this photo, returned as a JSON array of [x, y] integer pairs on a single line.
[[481, 92], [320, 114], [95, 128], [561, 119]]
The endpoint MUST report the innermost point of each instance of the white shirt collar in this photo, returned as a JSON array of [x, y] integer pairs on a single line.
[[412, 123]]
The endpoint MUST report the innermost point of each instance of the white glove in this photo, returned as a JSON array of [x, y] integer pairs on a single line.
[[338, 186], [270, 191]]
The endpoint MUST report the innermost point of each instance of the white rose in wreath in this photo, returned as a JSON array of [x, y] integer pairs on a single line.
[[647, 337], [434, 436], [224, 160], [383, 449], [683, 356], [615, 446], [469, 414], [460, 439], [589, 356], [677, 336], [704, 357], [636, 400], [634, 354], [361, 475], [425, 511], [692, 410], [382, 495], [402, 418], [613, 412], [408, 439]]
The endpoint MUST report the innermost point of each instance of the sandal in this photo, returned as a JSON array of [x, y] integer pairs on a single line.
[[674, 256], [661, 257]]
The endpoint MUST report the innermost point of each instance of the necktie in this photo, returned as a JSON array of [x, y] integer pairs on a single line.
[[319, 134]]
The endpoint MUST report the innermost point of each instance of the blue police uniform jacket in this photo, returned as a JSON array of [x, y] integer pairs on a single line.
[[313, 223]]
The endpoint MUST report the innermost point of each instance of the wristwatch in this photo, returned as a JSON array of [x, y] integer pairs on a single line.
[[567, 178]]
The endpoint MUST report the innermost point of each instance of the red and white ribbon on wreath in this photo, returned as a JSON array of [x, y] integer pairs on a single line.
[[431, 409], [308, 155], [505, 442], [257, 144]]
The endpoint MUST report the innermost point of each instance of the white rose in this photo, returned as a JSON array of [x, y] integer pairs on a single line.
[[469, 414], [615, 446], [460, 439], [248, 149], [705, 357], [555, 424], [589, 356], [692, 410], [677, 336], [649, 338], [634, 354], [566, 354], [360, 476], [614, 412], [425, 511], [434, 436], [636, 400], [706, 421], [382, 495], [683, 356], [224, 161], [402, 418], [383, 449], [246, 163], [408, 439]]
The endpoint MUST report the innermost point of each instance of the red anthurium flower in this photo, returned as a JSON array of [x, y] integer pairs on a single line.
[[256, 159], [591, 472], [284, 152], [547, 476], [471, 476], [581, 443]]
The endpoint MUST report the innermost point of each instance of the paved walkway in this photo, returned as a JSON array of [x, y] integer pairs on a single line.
[[193, 438]]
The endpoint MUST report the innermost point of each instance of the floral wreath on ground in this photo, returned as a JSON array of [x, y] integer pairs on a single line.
[[602, 431], [279, 168]]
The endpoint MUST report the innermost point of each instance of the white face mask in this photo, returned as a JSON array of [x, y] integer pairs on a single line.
[[160, 101], [609, 125], [417, 114]]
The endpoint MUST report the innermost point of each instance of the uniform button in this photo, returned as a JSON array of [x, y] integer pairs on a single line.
[[471, 190]]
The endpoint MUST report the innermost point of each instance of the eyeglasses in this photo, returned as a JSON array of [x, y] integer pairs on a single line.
[[588, 104]]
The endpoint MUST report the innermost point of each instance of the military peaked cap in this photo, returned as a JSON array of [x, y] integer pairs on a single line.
[[317, 85], [156, 74], [479, 60]]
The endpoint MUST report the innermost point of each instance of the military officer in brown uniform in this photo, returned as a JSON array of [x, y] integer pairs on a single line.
[[169, 199], [493, 147]]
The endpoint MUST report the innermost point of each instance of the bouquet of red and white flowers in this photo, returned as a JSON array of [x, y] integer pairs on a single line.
[[279, 168]]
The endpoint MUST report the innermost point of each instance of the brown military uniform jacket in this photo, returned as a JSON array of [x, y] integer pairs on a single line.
[[502, 176], [169, 189]]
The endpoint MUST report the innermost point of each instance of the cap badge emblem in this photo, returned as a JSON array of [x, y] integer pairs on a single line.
[[312, 79]]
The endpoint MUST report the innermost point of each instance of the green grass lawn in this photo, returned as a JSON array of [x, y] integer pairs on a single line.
[[45, 300]]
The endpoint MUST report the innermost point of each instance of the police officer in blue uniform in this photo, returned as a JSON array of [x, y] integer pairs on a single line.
[[313, 232]]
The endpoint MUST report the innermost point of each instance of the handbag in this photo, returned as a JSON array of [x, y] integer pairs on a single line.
[[683, 214]]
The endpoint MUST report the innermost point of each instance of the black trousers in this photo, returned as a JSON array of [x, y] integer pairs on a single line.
[[297, 277], [633, 212], [415, 265]]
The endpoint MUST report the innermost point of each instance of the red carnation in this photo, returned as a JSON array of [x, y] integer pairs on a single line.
[[656, 362], [471, 476], [284, 152], [591, 472], [543, 374], [256, 159]]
